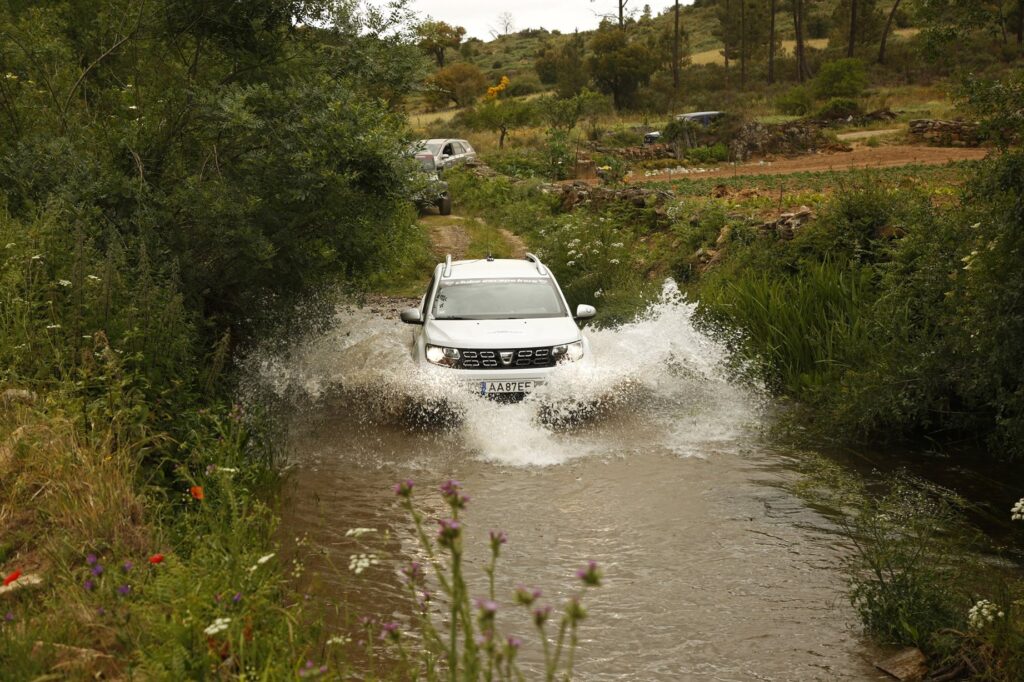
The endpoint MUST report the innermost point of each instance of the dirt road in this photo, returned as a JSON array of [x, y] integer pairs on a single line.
[[861, 157]]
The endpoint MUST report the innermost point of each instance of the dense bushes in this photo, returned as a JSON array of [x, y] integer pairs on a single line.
[[171, 179], [891, 317]]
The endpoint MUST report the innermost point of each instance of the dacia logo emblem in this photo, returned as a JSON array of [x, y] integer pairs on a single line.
[[506, 357]]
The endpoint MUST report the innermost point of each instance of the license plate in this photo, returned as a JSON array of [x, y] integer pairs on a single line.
[[492, 387]]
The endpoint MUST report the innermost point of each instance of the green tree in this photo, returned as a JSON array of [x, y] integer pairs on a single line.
[[437, 37], [502, 116], [459, 82], [618, 65], [856, 22], [745, 30]]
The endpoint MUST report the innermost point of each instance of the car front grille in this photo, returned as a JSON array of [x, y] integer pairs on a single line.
[[509, 358]]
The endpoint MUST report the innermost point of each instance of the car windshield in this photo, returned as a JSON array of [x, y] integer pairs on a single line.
[[497, 299]]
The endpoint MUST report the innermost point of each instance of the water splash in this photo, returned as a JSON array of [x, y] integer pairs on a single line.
[[659, 370]]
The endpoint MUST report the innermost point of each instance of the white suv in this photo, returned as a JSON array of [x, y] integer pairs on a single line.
[[502, 326]]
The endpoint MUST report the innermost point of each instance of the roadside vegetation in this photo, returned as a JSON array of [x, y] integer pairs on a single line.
[[171, 180]]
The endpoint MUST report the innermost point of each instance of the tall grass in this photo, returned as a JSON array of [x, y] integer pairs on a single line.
[[803, 327]]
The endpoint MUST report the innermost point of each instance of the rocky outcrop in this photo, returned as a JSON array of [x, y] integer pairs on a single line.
[[647, 152], [946, 133]]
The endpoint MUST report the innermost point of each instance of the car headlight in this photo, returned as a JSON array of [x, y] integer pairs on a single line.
[[568, 352], [439, 355]]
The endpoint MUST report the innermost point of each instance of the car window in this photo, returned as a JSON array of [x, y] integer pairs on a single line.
[[497, 299], [447, 149], [468, 147], [459, 149]]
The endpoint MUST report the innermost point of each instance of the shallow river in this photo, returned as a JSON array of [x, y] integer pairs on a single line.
[[713, 570]]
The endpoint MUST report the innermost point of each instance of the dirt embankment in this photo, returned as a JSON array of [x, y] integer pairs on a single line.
[[861, 157]]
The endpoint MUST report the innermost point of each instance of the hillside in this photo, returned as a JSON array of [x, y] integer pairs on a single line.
[[514, 54]]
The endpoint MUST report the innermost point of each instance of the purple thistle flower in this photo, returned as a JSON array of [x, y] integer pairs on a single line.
[[574, 609], [413, 572], [101, 611], [237, 597], [91, 559], [127, 566], [487, 607], [124, 590], [526, 596], [9, 616], [88, 585], [403, 488], [514, 642], [541, 615], [498, 538], [390, 631], [97, 569], [590, 574], [451, 491], [448, 532]]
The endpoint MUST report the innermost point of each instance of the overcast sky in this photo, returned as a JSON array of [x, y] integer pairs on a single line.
[[481, 16]]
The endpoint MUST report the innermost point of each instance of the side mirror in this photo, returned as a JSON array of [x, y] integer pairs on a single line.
[[412, 316], [585, 312]]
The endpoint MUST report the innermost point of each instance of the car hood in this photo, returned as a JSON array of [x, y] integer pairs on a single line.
[[549, 331]]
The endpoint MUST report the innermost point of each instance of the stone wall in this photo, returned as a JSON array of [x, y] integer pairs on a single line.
[[946, 133]]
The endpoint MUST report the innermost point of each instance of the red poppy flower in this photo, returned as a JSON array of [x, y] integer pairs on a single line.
[[11, 577], [156, 559], [197, 492]]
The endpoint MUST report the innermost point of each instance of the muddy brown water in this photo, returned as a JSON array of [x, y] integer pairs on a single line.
[[713, 570]]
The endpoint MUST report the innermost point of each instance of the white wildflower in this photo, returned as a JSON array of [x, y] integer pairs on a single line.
[[10, 245], [132, 107], [1017, 512], [599, 293], [53, 326], [38, 256], [357, 563], [10, 76], [570, 263], [617, 245], [93, 278], [356, 532], [64, 282], [218, 625], [983, 613], [227, 470], [614, 261], [339, 639], [572, 252]]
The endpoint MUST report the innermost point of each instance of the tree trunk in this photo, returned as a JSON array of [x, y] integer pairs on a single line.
[[439, 53], [725, 42], [622, 13], [798, 28], [503, 131], [1020, 25], [885, 32], [853, 28], [675, 59], [771, 43], [743, 44]]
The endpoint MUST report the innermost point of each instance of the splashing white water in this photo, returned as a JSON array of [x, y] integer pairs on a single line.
[[658, 371]]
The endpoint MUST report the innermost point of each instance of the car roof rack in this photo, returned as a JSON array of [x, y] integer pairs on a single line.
[[533, 259], [447, 272]]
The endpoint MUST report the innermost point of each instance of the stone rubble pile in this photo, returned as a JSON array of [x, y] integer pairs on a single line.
[[577, 193], [788, 223], [946, 133]]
